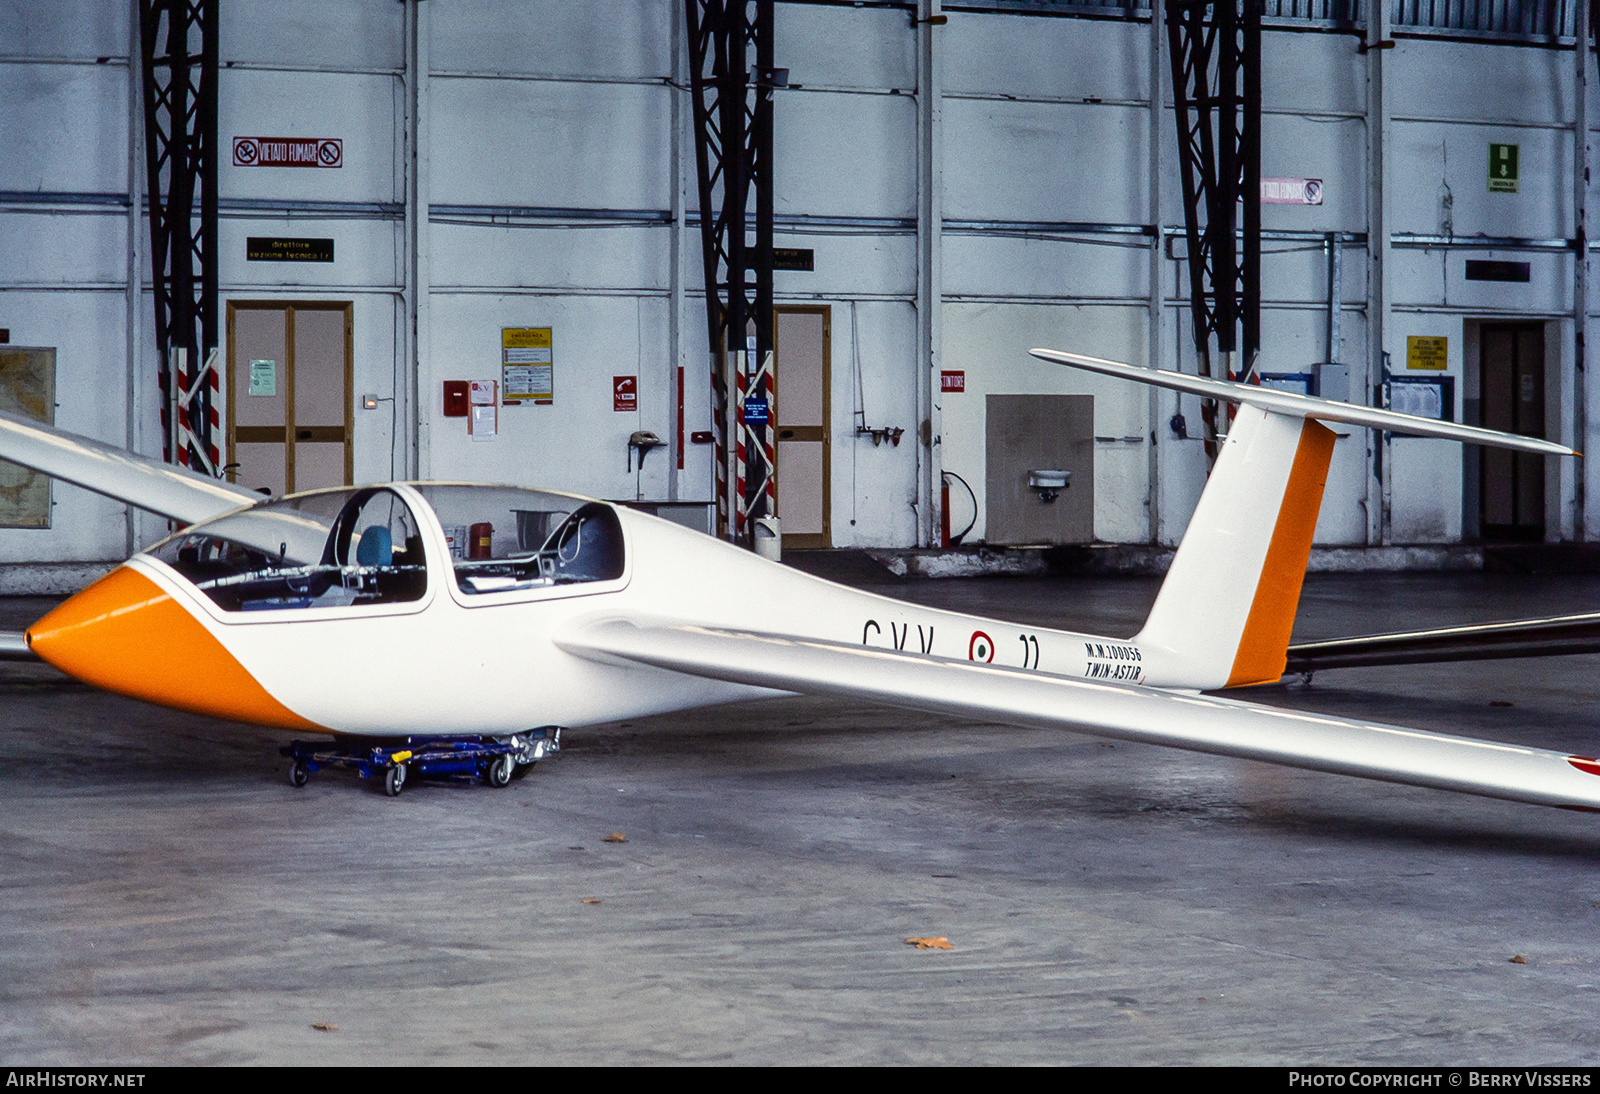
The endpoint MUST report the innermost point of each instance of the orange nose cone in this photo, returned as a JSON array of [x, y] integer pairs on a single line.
[[124, 634]]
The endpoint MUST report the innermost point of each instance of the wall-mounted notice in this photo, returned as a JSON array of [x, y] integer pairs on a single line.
[[527, 365], [264, 378], [483, 397], [1432, 354], [953, 380], [1502, 169], [1424, 396], [1291, 191], [288, 152], [279, 249]]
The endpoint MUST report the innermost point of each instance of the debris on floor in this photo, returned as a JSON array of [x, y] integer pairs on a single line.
[[616, 837], [325, 1027], [591, 900], [940, 943], [1518, 960]]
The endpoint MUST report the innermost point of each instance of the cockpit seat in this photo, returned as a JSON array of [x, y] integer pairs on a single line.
[[376, 547]]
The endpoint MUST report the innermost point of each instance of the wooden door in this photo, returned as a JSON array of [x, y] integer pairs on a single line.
[[290, 415], [801, 374]]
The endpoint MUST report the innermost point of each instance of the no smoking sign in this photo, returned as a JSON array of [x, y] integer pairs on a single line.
[[288, 152]]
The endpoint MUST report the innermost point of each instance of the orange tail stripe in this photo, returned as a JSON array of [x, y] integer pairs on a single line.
[[124, 634], [1264, 646]]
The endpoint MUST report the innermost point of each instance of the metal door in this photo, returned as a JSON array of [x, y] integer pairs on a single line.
[[801, 372], [1511, 393], [290, 418]]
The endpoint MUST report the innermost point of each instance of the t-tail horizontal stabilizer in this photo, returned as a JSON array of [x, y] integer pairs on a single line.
[[1226, 609], [1306, 406]]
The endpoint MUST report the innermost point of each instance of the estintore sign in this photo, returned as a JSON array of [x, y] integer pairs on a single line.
[[953, 380], [288, 152]]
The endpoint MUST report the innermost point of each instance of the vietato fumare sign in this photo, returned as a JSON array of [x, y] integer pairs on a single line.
[[288, 152]]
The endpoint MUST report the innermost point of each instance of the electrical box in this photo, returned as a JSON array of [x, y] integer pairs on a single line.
[[1333, 381], [455, 398], [1039, 487]]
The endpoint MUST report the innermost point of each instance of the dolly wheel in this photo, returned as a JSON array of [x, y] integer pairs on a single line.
[[500, 771], [299, 773], [394, 780]]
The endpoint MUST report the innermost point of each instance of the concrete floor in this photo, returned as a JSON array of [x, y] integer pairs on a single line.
[[166, 897]]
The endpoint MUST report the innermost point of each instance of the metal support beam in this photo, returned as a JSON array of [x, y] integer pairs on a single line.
[[178, 53], [930, 277], [1216, 83], [410, 414], [733, 157], [1160, 399], [133, 293], [1581, 48], [1378, 249]]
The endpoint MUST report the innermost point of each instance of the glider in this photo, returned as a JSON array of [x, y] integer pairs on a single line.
[[361, 612]]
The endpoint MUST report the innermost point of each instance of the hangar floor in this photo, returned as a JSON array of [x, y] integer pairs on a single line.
[[166, 897]]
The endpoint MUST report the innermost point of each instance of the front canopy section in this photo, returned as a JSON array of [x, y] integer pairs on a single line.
[[327, 549], [510, 539]]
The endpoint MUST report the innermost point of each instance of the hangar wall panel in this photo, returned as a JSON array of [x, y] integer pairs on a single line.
[[618, 39], [549, 144], [554, 104], [350, 35]]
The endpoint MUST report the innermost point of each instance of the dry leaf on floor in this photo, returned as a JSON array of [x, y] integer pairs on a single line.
[[591, 900], [1518, 960], [940, 943], [616, 837], [325, 1027]]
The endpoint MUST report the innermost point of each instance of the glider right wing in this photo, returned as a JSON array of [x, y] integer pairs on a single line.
[[1551, 637], [1200, 723], [145, 483]]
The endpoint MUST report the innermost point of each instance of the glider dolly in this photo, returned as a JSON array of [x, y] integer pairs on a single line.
[[454, 759]]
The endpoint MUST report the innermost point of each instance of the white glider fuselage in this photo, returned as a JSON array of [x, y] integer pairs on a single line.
[[451, 662]]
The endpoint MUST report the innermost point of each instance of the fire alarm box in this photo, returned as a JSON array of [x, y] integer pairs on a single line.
[[455, 398], [484, 399]]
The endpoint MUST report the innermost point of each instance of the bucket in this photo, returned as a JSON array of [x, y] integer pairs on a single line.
[[769, 538]]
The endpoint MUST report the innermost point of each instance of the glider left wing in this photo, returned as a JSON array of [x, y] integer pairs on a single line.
[[1201, 723], [148, 484]]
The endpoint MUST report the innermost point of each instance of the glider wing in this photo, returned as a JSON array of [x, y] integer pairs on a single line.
[[148, 484], [1201, 723]]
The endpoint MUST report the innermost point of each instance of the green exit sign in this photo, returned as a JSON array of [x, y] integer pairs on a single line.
[[1502, 168]]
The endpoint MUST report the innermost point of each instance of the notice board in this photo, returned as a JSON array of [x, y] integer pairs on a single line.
[[28, 389]]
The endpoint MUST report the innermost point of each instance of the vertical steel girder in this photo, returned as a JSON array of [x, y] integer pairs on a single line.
[[1216, 80], [733, 157], [178, 40]]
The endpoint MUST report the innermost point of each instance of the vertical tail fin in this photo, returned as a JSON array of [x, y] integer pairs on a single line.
[[1227, 606], [1224, 614]]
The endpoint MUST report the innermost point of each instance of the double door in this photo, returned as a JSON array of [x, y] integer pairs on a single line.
[[1512, 396], [290, 415], [801, 366]]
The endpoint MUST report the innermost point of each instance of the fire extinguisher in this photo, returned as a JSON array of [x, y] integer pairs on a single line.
[[480, 540]]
